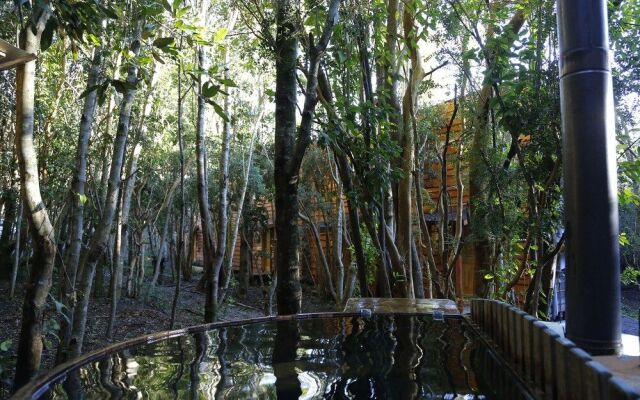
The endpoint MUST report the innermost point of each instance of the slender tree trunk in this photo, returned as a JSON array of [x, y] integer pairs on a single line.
[[160, 259], [202, 181], [115, 283], [246, 258], [245, 184], [167, 203], [187, 265], [456, 246], [213, 284], [404, 202], [42, 235], [107, 141], [139, 279], [416, 271], [78, 198], [122, 216], [392, 73], [105, 168], [131, 173], [180, 244], [425, 234], [134, 266], [100, 239], [337, 248]]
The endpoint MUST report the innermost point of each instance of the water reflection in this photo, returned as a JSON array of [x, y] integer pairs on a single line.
[[385, 357], [284, 360]]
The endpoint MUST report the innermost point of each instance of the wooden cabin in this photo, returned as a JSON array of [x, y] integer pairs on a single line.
[[263, 250]]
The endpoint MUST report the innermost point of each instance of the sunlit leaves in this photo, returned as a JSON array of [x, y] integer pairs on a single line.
[[623, 240], [220, 34]]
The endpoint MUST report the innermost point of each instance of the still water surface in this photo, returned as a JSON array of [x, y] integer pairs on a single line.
[[384, 357]]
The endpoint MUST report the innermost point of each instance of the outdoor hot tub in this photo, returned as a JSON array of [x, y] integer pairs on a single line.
[[329, 355]]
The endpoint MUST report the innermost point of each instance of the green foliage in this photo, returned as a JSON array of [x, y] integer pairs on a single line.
[[630, 276], [371, 255]]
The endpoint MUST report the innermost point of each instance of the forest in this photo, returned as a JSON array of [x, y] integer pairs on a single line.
[[196, 157]]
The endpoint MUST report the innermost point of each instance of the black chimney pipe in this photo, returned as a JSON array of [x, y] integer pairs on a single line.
[[590, 177]]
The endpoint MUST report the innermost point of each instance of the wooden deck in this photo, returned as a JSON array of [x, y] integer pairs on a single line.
[[407, 306]]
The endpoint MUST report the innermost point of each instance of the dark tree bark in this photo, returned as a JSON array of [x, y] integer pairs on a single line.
[[42, 235], [291, 144], [289, 293]]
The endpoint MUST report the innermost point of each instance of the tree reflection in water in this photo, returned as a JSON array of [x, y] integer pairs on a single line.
[[384, 357], [284, 360]]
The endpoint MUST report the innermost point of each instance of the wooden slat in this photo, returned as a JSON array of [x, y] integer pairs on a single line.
[[554, 367], [596, 381], [577, 360], [561, 378]]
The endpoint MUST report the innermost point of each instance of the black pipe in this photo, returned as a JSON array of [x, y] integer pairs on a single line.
[[590, 180]]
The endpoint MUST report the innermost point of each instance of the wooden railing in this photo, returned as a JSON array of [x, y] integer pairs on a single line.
[[550, 364]]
